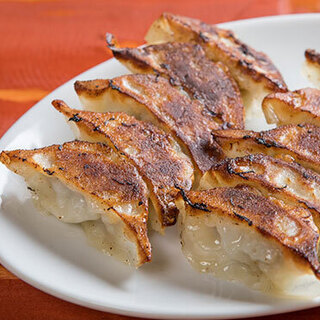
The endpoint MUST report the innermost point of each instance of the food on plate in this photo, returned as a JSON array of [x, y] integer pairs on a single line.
[[186, 65], [299, 143], [254, 72], [154, 153], [152, 98], [240, 236], [311, 67], [178, 123], [300, 106], [287, 181], [88, 183]]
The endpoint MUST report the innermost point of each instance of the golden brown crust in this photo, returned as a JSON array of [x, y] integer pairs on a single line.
[[186, 65], [186, 119], [286, 181], [147, 147], [300, 143], [293, 107], [91, 88], [91, 169], [307, 99], [270, 218], [312, 56], [221, 45], [311, 67]]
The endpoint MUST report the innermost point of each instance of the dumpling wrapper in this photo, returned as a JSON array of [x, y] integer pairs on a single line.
[[88, 183], [186, 65], [254, 72], [296, 107], [286, 181], [311, 67], [152, 98], [299, 143], [155, 154], [240, 236]]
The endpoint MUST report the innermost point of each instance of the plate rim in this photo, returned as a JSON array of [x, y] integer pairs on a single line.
[[138, 312]]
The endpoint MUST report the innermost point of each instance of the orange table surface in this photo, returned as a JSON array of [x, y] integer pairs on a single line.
[[44, 43]]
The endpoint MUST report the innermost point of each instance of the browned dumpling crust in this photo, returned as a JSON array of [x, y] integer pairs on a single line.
[[252, 70], [156, 156], [312, 67], [300, 106], [186, 65], [299, 143], [287, 181], [152, 98], [291, 227], [95, 171], [312, 56]]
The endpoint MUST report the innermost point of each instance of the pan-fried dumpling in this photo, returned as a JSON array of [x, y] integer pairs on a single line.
[[299, 143], [88, 183], [241, 236], [311, 67], [152, 98], [186, 65], [287, 181], [300, 106], [157, 157], [254, 72]]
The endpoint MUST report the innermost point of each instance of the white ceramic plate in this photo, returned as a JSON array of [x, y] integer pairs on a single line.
[[55, 257]]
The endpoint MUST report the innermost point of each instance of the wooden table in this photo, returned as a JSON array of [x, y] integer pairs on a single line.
[[45, 43]]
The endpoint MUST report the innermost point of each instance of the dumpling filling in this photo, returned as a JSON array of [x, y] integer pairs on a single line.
[[237, 235], [229, 251], [106, 234], [53, 197]]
